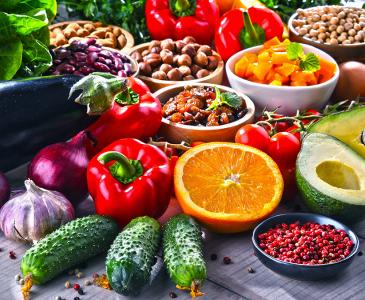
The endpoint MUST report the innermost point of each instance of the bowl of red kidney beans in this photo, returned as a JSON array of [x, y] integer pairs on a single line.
[[305, 246], [84, 57]]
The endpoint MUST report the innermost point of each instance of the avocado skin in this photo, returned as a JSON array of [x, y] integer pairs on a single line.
[[325, 205], [68, 246], [132, 255]]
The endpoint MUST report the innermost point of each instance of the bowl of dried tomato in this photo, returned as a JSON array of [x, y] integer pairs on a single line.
[[203, 112], [305, 246]]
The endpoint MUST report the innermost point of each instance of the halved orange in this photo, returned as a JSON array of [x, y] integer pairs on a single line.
[[226, 186]]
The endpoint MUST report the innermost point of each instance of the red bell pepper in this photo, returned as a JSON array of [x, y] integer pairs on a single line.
[[239, 29], [127, 106], [177, 19], [128, 179]]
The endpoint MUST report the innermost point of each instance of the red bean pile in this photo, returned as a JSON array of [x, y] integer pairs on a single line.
[[307, 244], [84, 57]]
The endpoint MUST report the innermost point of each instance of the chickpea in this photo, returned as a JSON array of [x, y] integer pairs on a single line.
[[316, 17], [333, 41], [357, 27], [313, 32], [340, 29], [322, 36], [332, 28], [324, 17], [346, 42], [302, 31], [342, 22], [333, 34], [352, 32], [341, 38], [322, 29], [351, 39], [334, 20], [348, 26], [341, 14], [315, 26]]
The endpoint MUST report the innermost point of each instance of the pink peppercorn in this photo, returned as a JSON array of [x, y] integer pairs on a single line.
[[310, 243]]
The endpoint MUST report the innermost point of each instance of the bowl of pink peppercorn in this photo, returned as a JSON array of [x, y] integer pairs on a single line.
[[305, 246]]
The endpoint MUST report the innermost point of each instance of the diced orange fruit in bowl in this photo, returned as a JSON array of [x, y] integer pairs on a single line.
[[228, 187]]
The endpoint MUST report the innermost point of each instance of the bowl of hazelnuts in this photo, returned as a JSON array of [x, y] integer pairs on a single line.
[[337, 30], [167, 62]]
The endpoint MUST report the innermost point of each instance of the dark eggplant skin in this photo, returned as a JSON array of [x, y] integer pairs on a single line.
[[34, 113]]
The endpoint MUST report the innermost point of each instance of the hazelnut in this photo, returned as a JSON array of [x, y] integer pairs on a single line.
[[212, 62], [159, 75], [189, 50], [175, 59], [137, 56], [189, 77], [174, 75], [185, 70], [189, 40], [179, 45], [154, 44], [155, 50], [201, 59], [196, 46], [202, 73], [168, 44], [145, 52], [195, 69], [184, 60], [167, 56], [153, 59], [206, 49], [145, 69], [165, 68]]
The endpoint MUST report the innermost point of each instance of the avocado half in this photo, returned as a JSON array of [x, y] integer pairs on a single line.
[[331, 177], [347, 126]]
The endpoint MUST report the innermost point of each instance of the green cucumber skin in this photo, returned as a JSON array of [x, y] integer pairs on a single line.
[[182, 251], [68, 246], [131, 257]]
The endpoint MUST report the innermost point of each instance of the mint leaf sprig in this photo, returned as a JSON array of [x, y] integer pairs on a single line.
[[227, 98], [307, 62]]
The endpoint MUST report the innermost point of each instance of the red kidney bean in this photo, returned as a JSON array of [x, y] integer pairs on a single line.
[[122, 73], [114, 72], [118, 63], [80, 56], [109, 62], [86, 70], [91, 41], [101, 67], [105, 53], [91, 58], [93, 48], [71, 61], [101, 60], [66, 68], [78, 73]]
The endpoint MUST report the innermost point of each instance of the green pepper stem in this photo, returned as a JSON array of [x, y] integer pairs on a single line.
[[126, 169], [250, 28], [182, 8]]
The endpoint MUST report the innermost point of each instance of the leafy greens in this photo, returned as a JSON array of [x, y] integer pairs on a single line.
[[24, 37]]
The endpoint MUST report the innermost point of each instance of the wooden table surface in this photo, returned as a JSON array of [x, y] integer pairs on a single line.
[[224, 281]]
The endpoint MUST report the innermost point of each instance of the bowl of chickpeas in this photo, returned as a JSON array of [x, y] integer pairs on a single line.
[[337, 30]]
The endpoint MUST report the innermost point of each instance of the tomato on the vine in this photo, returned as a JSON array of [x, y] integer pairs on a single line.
[[295, 131], [253, 135], [279, 126], [284, 147]]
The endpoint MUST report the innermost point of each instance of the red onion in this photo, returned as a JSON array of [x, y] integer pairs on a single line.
[[31, 214], [62, 167], [4, 189]]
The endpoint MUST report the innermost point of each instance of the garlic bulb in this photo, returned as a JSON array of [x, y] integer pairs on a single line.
[[28, 216]]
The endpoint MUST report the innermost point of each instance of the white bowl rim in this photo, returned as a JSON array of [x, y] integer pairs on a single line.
[[249, 105], [283, 87], [291, 27]]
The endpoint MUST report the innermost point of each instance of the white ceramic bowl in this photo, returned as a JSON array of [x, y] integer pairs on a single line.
[[176, 133], [286, 99]]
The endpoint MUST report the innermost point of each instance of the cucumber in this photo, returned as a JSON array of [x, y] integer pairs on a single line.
[[182, 251], [132, 255], [68, 246]]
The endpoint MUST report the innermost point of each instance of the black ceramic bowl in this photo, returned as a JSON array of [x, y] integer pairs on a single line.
[[299, 271]]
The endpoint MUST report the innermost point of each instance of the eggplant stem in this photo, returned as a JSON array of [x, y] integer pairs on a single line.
[[28, 283]]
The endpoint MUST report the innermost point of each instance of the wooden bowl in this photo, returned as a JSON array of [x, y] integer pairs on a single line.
[[176, 133], [129, 37], [215, 77], [341, 53]]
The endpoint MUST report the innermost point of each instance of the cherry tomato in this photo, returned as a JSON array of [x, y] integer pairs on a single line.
[[312, 112], [168, 151], [197, 143], [284, 147], [293, 129], [280, 126], [253, 135]]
